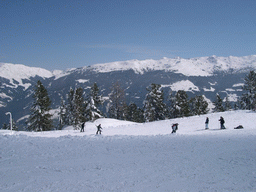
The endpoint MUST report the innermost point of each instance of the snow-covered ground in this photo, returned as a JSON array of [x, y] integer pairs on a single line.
[[134, 157]]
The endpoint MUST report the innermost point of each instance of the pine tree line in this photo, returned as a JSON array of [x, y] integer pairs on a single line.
[[78, 107], [248, 99], [8, 127], [40, 118]]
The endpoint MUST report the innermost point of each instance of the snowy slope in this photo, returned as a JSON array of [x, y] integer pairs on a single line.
[[19, 72], [134, 157]]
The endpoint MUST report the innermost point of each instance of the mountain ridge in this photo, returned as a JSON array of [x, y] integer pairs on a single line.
[[198, 66], [179, 65]]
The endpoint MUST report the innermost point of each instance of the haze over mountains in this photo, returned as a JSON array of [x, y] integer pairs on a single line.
[[198, 76]]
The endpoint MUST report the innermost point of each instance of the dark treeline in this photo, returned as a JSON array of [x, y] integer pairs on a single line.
[[78, 107]]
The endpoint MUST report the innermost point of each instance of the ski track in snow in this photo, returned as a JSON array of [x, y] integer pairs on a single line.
[[134, 157]]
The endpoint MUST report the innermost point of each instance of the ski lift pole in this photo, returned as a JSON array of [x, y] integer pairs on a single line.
[[9, 113]]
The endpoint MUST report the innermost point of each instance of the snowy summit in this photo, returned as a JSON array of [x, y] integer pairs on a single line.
[[19, 72], [201, 66]]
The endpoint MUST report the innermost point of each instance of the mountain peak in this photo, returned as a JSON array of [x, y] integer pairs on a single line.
[[19, 72]]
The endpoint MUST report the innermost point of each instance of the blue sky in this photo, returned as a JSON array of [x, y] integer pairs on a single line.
[[61, 34]]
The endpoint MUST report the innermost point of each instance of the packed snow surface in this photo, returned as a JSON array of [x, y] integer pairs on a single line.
[[134, 157]]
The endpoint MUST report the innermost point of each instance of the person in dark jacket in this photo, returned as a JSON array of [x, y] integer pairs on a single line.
[[174, 127], [207, 123], [99, 128], [82, 127], [222, 123]]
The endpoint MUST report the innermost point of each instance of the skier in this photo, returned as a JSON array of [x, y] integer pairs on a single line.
[[99, 128], [207, 123], [82, 127], [222, 123], [174, 127]]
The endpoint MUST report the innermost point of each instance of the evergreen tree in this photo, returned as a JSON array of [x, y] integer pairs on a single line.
[[125, 111], [248, 99], [70, 108], [116, 105], [62, 114], [5, 126], [198, 105], [94, 101], [40, 118], [97, 98], [182, 103], [134, 113], [131, 112], [236, 107], [227, 105], [79, 108], [218, 104], [140, 116], [173, 110], [154, 106]]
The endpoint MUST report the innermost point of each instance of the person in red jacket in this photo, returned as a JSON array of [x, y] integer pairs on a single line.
[[174, 127]]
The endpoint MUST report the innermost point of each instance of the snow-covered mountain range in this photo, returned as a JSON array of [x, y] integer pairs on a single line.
[[198, 76], [203, 66]]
